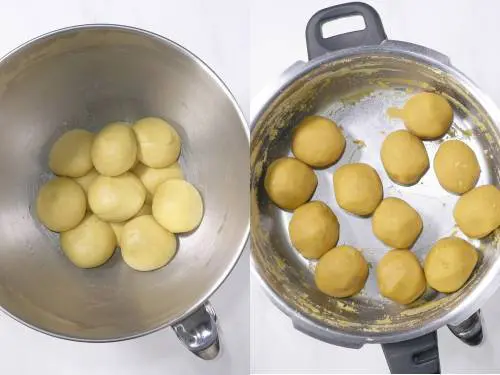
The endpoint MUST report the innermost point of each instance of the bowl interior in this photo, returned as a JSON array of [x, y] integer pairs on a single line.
[[84, 78], [356, 91]]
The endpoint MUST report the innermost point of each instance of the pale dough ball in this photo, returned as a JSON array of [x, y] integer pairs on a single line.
[[404, 157], [117, 230], [90, 244], [177, 206], [70, 154], [159, 143], [153, 177], [118, 227], [449, 264], [61, 204], [289, 183], [314, 229], [146, 245], [427, 115], [114, 150], [117, 198], [456, 167], [400, 276], [477, 212], [396, 223], [358, 188], [86, 180], [318, 142], [341, 272]]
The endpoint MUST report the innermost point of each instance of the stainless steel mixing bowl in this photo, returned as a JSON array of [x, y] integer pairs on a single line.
[[353, 79], [85, 77]]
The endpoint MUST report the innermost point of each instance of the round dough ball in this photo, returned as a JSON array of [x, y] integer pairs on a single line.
[[341, 272], [449, 264], [118, 198], [61, 204], [146, 245], [153, 177], [86, 180], [427, 115], [114, 150], [400, 276], [477, 212], [456, 167], [318, 142], [70, 154], [289, 183], [396, 223], [404, 157], [314, 229], [358, 188], [117, 230], [159, 143], [177, 206], [118, 227], [90, 244]]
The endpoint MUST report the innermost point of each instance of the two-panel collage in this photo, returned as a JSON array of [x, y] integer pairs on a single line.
[[237, 187]]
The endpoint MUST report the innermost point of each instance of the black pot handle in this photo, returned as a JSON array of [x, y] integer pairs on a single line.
[[415, 356], [373, 34]]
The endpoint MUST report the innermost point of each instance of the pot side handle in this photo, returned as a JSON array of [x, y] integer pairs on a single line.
[[415, 356], [198, 332], [372, 34]]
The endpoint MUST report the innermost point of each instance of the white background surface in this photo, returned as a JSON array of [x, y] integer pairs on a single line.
[[464, 30], [202, 27]]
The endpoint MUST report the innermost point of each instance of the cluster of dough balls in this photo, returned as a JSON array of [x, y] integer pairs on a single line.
[[341, 271], [121, 187], [318, 142]]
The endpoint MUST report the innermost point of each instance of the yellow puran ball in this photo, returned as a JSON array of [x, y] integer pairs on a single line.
[[427, 115], [153, 177], [70, 154], [314, 229], [456, 167], [318, 141], [404, 157], [178, 206], [396, 223], [477, 212], [358, 188], [61, 204], [341, 272], [146, 245], [90, 244], [289, 183], [400, 276], [449, 264], [114, 150], [116, 199], [159, 143]]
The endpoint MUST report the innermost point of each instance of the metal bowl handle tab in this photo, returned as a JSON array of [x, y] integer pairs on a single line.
[[198, 332], [373, 33], [416, 356]]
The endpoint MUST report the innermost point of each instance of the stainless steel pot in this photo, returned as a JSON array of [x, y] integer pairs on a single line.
[[86, 76], [353, 78]]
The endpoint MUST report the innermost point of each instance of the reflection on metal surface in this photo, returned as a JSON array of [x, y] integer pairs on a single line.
[[198, 332], [470, 331]]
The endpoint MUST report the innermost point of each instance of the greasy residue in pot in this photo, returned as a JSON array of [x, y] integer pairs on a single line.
[[333, 89]]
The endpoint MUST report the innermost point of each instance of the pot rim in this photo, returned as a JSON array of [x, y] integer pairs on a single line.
[[484, 288], [243, 123]]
